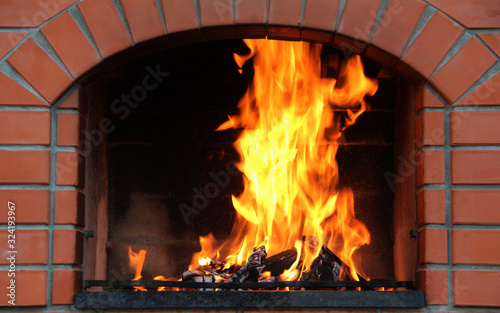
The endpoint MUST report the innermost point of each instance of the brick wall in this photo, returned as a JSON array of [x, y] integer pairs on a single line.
[[450, 48]]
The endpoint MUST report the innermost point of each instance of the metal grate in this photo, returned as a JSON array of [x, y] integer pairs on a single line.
[[149, 284]]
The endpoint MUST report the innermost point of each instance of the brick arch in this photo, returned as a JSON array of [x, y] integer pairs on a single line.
[[431, 42], [137, 28]]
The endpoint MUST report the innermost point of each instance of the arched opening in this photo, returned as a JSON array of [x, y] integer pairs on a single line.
[[162, 152]]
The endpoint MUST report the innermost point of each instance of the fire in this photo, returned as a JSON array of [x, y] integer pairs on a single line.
[[208, 251], [288, 147], [163, 278], [136, 263], [292, 121]]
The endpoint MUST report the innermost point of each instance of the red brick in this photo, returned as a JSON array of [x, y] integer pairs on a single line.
[[283, 33], [143, 19], [430, 101], [412, 75], [32, 206], [431, 207], [216, 12], [425, 99], [76, 100], [462, 70], [486, 94], [432, 44], [28, 13], [40, 70], [8, 40], [24, 127], [476, 247], [358, 18], [435, 285], [69, 208], [31, 245], [68, 246], [69, 129], [65, 284], [347, 44], [317, 36], [432, 246], [70, 166], [475, 167], [321, 14], [475, 206], [381, 56], [429, 129], [397, 24], [285, 12], [71, 45], [14, 94], [492, 40], [25, 167], [473, 14], [250, 12], [475, 128], [430, 167], [180, 15], [31, 287], [105, 25], [476, 288]]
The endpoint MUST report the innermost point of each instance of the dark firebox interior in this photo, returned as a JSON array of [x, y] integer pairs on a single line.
[[164, 152]]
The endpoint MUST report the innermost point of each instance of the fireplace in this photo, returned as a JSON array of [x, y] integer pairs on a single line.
[[168, 176], [441, 58]]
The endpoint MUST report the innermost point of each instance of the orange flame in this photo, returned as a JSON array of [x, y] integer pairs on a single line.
[[136, 263], [163, 278], [288, 148], [208, 252]]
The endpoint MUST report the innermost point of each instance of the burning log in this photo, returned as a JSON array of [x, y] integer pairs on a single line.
[[252, 269], [327, 266], [331, 258], [280, 262], [199, 277], [216, 265]]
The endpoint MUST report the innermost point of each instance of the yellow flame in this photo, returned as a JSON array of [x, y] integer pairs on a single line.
[[204, 261], [208, 252], [293, 273], [288, 148]]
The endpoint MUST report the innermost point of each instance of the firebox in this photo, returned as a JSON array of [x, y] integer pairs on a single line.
[[163, 185]]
